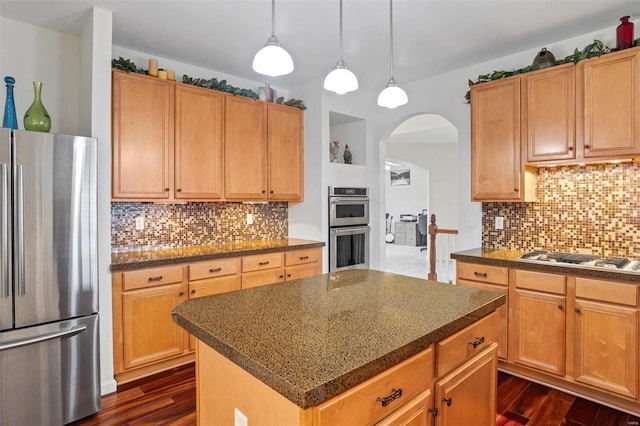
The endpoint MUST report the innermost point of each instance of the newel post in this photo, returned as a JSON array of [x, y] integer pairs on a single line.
[[433, 230]]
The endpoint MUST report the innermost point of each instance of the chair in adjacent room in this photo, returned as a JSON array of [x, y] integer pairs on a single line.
[[423, 228]]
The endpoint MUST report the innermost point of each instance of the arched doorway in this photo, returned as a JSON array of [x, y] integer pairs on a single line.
[[421, 154]]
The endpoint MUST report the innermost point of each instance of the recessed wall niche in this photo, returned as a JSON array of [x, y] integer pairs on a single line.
[[347, 131]]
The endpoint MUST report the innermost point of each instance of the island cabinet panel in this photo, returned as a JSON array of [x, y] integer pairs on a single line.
[[608, 104], [606, 336], [245, 149], [286, 153], [142, 137], [548, 113], [467, 396], [198, 143], [417, 412], [381, 395]]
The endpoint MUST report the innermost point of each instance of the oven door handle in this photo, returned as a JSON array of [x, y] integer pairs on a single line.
[[349, 200], [351, 230]]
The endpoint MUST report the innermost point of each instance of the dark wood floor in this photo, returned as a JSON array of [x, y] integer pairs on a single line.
[[169, 398]]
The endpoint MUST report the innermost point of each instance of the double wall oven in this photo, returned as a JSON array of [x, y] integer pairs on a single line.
[[348, 228]]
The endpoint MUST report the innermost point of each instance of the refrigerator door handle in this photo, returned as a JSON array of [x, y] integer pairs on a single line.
[[43, 337], [5, 289], [19, 229]]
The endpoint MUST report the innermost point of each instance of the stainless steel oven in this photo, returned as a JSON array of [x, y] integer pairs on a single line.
[[348, 228], [348, 206], [349, 248]]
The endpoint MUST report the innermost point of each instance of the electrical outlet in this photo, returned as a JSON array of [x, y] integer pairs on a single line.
[[139, 223], [249, 219], [499, 222], [239, 419]]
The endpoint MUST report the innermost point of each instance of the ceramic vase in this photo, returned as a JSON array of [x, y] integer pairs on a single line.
[[10, 121], [624, 34], [37, 118]]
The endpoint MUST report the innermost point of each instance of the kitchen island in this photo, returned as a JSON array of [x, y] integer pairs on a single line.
[[294, 353]]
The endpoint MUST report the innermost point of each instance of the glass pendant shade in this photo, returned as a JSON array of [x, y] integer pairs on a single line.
[[341, 80], [392, 96], [272, 59]]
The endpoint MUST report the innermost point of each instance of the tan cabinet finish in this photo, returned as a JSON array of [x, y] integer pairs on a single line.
[[198, 143], [608, 104], [303, 263], [286, 153], [417, 412], [142, 137], [548, 113], [467, 395], [497, 172]]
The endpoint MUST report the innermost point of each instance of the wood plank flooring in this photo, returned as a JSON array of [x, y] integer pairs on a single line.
[[169, 398]]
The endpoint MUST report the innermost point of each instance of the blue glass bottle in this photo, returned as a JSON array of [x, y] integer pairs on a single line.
[[10, 120]]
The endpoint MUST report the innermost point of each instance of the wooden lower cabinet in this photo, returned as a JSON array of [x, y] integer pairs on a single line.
[[467, 395]]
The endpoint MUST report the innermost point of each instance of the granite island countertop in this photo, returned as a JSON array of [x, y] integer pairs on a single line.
[[313, 338], [507, 258], [134, 259]]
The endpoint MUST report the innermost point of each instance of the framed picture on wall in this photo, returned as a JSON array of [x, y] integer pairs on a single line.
[[400, 177]]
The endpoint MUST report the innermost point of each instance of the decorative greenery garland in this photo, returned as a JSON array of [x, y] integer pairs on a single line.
[[213, 84], [597, 48]]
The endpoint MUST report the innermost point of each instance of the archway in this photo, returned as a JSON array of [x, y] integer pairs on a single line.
[[422, 154]]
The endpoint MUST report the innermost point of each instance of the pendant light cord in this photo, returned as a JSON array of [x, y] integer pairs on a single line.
[[273, 17], [390, 38], [340, 29]]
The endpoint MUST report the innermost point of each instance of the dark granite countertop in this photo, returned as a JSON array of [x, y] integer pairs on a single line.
[[313, 338], [507, 258], [122, 261]]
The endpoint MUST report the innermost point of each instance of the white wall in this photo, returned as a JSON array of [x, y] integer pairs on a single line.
[[353, 135], [31, 53]]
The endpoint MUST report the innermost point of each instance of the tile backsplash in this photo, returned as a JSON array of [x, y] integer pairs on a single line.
[[179, 225], [594, 207]]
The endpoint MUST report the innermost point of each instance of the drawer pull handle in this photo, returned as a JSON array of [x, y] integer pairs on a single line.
[[480, 274], [304, 257], [263, 263], [447, 401], [214, 270], [477, 342], [395, 394], [156, 278]]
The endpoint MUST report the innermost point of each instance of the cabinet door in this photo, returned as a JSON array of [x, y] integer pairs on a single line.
[[606, 347], [503, 312], [467, 396], [142, 135], [496, 166], [149, 333], [198, 143], [260, 278], [609, 122], [286, 153], [549, 113], [539, 331], [417, 412], [245, 149]]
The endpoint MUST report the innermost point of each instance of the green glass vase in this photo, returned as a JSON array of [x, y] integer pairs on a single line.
[[37, 118]]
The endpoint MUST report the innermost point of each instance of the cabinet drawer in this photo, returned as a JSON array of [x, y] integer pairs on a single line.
[[540, 281], [151, 277], [213, 268], [261, 261], [454, 350], [607, 291], [214, 286], [303, 271], [483, 273], [260, 278], [302, 256], [362, 404]]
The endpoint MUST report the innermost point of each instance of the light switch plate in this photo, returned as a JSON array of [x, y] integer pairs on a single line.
[[139, 223], [499, 222], [249, 219]]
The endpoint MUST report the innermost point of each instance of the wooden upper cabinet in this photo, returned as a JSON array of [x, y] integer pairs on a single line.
[[497, 173], [142, 135], [548, 113], [245, 146], [199, 134], [286, 153], [608, 105]]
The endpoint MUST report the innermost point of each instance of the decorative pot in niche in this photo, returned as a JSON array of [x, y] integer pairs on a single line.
[[37, 118]]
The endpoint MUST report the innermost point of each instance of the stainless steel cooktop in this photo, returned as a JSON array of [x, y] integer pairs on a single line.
[[582, 260]]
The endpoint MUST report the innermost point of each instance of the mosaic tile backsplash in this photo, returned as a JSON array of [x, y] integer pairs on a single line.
[[180, 225], [595, 208]]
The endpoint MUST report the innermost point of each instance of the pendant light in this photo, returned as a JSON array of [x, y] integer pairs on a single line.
[[341, 80], [272, 59], [392, 96]]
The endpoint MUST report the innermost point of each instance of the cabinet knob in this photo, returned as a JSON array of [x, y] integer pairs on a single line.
[[166, 189], [263, 191], [271, 192], [516, 189], [181, 293], [560, 307], [288, 275], [178, 190], [578, 310], [570, 148], [447, 401], [193, 291], [587, 147]]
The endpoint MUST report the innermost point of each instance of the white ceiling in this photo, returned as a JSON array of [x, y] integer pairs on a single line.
[[431, 36]]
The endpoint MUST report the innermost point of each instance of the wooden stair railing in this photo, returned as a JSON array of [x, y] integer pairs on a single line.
[[433, 232]]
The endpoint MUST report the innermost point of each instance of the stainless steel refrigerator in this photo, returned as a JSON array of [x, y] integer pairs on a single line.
[[49, 353]]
